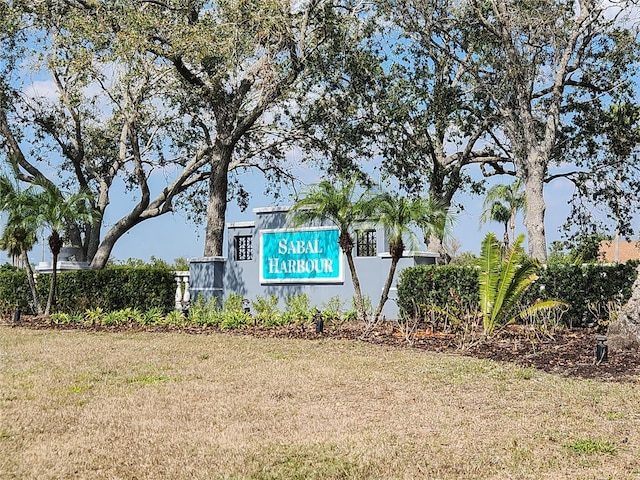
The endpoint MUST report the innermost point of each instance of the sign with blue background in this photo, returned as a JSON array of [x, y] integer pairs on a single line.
[[310, 255]]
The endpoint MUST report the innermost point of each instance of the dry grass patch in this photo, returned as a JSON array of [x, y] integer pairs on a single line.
[[98, 405]]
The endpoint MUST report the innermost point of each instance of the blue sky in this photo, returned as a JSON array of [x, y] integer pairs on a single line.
[[172, 236]]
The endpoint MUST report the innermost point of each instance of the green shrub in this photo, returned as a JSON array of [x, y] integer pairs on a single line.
[[352, 313], [586, 289], [208, 313], [266, 311], [61, 318], [14, 290], [203, 312], [332, 309], [174, 318], [438, 286], [112, 289], [153, 316], [128, 317], [93, 316], [233, 315], [112, 318], [298, 309]]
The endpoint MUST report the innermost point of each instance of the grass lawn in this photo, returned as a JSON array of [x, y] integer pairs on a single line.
[[91, 405]]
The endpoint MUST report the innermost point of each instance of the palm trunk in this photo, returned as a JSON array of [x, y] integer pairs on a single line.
[[387, 286], [55, 244], [53, 284], [32, 283], [360, 308], [513, 225]]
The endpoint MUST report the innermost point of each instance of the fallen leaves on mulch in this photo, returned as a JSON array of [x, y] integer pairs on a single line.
[[566, 352], [570, 352]]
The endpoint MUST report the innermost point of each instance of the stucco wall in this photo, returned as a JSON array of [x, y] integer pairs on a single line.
[[243, 276]]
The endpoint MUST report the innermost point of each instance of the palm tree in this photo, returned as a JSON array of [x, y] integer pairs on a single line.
[[9, 244], [344, 206], [511, 197], [499, 213], [55, 212], [397, 215], [19, 235]]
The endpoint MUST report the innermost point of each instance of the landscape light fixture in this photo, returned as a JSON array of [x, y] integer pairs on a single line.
[[319, 321], [601, 349]]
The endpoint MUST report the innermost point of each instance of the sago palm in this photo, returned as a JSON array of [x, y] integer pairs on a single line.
[[503, 281], [344, 206]]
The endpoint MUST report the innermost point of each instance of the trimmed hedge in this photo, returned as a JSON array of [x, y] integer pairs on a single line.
[[587, 289], [437, 285], [14, 290], [112, 289]]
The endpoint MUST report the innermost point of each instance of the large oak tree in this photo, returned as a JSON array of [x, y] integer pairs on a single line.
[[236, 64], [529, 61], [193, 91], [397, 105]]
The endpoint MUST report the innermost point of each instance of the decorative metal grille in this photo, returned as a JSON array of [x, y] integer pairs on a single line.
[[243, 247], [366, 244]]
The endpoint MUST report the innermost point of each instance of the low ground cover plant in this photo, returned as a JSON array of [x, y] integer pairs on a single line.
[[266, 311], [232, 314]]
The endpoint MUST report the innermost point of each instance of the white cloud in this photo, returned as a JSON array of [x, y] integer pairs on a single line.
[[43, 89]]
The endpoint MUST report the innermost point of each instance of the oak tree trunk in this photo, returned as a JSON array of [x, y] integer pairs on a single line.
[[536, 207], [217, 206], [435, 244], [103, 252]]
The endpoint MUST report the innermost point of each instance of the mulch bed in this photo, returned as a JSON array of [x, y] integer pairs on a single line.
[[566, 352]]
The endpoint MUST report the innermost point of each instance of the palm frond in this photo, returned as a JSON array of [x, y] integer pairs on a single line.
[[536, 307], [512, 274], [503, 281], [489, 274]]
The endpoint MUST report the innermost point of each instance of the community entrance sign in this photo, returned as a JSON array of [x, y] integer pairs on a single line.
[[310, 255]]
